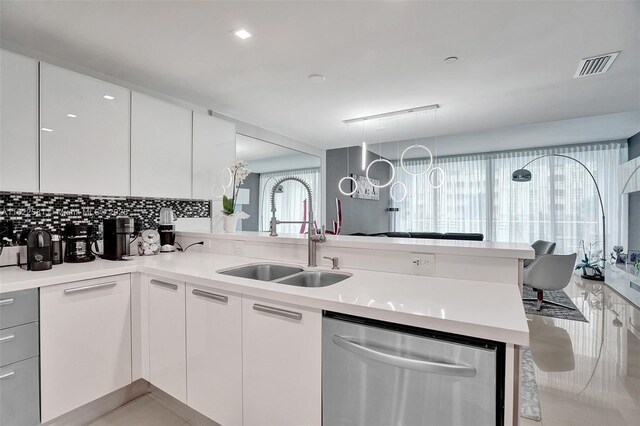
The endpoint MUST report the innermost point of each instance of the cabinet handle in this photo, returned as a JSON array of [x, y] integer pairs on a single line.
[[89, 287], [218, 297], [6, 302], [7, 338], [7, 375], [164, 284], [277, 311]]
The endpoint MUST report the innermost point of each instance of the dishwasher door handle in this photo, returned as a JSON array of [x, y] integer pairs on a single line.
[[460, 370]]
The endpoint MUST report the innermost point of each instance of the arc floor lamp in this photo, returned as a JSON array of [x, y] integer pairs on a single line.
[[524, 175]]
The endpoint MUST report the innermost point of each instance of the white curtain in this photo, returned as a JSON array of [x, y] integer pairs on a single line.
[[559, 204], [290, 203], [458, 206]]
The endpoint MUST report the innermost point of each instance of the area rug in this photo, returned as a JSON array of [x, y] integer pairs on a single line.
[[548, 310], [529, 402]]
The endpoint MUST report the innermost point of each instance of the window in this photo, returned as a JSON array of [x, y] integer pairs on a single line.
[[559, 204]]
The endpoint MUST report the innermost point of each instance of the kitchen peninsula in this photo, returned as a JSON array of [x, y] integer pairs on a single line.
[[170, 326]]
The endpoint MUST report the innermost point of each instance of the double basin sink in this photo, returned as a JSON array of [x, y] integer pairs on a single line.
[[285, 274]]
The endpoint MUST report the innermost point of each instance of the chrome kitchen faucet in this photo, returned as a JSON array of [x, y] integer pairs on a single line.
[[313, 236]]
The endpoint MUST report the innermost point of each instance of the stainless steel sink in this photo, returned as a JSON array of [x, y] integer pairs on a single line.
[[314, 279], [285, 274], [262, 271]]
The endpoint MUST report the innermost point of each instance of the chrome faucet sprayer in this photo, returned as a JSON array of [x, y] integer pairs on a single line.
[[314, 237]]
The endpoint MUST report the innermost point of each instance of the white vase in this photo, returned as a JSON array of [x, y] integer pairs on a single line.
[[230, 223]]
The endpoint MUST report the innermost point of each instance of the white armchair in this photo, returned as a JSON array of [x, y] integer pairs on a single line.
[[541, 247], [549, 272]]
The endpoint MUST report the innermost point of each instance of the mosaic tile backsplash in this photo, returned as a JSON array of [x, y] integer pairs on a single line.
[[53, 211]]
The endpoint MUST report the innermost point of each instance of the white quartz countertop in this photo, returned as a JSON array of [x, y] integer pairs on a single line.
[[456, 247], [484, 310]]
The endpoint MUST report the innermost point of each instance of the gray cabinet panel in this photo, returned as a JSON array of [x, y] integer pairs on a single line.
[[18, 343], [18, 307], [19, 393]]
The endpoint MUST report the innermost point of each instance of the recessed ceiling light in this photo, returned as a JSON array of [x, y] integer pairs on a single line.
[[242, 34], [109, 97], [451, 60], [46, 129], [72, 116], [316, 78]]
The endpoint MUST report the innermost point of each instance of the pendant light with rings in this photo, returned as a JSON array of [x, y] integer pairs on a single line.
[[436, 170], [381, 160], [222, 187], [391, 167], [392, 193], [416, 146], [398, 185], [348, 177]]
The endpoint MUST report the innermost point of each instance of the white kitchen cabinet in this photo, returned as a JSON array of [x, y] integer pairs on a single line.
[[84, 134], [160, 148], [167, 337], [214, 354], [214, 149], [281, 364], [85, 342], [18, 122]]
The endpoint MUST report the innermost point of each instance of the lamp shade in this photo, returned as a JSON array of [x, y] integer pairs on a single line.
[[521, 175]]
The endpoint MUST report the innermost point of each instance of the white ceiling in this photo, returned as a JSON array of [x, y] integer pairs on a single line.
[[517, 59], [555, 133]]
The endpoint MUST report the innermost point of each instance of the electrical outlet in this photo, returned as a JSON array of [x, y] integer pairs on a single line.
[[238, 248], [423, 263]]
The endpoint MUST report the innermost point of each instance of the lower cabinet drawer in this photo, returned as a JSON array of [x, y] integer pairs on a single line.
[[19, 393], [18, 307], [18, 343]]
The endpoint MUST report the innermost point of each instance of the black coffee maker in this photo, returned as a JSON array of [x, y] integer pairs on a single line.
[[39, 250], [116, 238], [79, 238]]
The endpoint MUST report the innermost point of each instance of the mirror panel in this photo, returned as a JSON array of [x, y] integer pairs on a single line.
[[269, 162]]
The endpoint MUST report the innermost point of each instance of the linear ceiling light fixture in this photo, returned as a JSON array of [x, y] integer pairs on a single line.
[[364, 150], [392, 113]]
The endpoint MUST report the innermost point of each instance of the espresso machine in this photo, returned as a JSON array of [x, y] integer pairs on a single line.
[[116, 238], [79, 238], [167, 230], [39, 250]]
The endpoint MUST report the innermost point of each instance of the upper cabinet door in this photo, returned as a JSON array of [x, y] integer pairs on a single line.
[[84, 134], [214, 148], [160, 148], [18, 123]]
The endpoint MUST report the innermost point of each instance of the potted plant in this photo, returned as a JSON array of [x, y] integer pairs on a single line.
[[591, 269], [240, 171]]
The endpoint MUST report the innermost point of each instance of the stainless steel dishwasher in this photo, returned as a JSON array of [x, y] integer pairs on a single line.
[[378, 373]]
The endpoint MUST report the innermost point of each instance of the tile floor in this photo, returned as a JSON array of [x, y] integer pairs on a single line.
[[588, 373], [145, 411]]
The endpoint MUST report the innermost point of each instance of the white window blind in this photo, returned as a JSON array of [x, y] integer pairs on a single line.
[[559, 204]]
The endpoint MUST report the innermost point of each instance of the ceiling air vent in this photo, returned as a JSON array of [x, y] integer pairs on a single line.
[[595, 65]]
